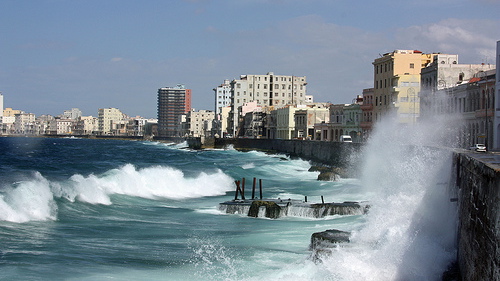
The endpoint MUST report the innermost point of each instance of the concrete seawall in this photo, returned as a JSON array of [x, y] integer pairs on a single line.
[[478, 182], [333, 153]]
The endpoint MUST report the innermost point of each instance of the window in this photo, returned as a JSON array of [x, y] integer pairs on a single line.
[[412, 65]]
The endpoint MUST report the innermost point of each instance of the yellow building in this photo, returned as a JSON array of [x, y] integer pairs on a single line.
[[397, 84], [9, 112]]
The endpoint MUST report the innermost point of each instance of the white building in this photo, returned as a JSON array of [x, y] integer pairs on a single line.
[[199, 123], [306, 118], [24, 124], [8, 125], [106, 118], [64, 126], [86, 125], [73, 113], [266, 90], [222, 96], [445, 73], [285, 122]]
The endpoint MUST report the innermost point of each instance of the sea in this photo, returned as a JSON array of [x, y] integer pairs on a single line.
[[95, 209]]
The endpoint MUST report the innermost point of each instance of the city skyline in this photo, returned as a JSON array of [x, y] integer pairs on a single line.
[[58, 55]]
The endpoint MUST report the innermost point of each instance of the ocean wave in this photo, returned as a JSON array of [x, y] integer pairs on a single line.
[[34, 199], [27, 201]]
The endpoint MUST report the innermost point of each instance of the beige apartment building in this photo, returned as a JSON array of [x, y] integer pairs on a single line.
[[199, 123], [266, 90], [9, 112], [107, 117], [397, 84]]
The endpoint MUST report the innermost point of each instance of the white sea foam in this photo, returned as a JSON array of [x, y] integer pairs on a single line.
[[152, 182], [410, 230], [248, 166], [34, 199], [28, 201]]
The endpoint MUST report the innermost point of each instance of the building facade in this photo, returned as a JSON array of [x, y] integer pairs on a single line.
[[266, 90], [173, 102], [445, 73], [106, 118], [86, 125], [397, 84], [199, 123], [73, 113], [306, 118], [222, 96], [366, 123]]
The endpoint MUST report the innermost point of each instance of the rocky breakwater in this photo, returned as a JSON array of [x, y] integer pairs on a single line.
[[323, 242]]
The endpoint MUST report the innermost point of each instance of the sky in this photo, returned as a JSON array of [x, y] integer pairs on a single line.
[[89, 54]]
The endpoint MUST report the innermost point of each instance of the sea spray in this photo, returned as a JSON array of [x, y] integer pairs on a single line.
[[410, 229]]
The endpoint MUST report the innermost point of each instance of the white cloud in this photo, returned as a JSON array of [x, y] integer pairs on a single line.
[[473, 40]]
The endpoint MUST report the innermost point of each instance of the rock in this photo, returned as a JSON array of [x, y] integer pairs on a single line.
[[273, 210], [328, 237], [328, 176], [323, 242], [327, 173]]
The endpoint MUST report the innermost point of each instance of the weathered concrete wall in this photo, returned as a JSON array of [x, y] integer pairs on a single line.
[[333, 153], [478, 182]]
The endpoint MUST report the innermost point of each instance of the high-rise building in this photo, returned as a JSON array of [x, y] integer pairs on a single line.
[[397, 84], [267, 90], [222, 96], [173, 102]]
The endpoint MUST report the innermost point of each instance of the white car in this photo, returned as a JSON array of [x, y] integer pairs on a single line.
[[478, 147]]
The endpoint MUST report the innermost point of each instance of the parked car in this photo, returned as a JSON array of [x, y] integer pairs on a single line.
[[478, 147], [345, 138]]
